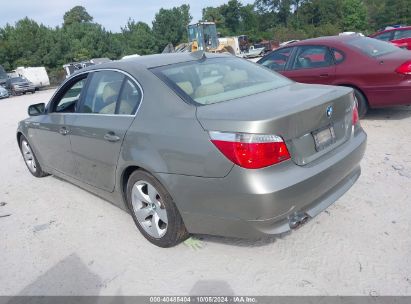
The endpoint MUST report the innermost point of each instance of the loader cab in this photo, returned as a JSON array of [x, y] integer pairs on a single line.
[[205, 34]]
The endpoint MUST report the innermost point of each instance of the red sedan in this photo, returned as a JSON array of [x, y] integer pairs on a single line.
[[399, 36], [379, 72]]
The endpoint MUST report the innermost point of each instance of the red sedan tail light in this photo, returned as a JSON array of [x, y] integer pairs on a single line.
[[251, 151], [404, 69]]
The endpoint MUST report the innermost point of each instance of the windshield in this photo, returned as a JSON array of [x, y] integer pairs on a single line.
[[17, 79], [219, 79], [372, 47]]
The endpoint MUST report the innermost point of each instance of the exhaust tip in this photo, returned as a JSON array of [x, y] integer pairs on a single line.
[[298, 219]]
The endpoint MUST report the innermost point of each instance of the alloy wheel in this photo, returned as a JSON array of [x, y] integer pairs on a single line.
[[28, 156], [149, 209]]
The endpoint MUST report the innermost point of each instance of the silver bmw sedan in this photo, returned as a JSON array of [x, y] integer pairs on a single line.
[[198, 143]]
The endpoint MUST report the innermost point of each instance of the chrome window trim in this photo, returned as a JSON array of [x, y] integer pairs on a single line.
[[94, 114]]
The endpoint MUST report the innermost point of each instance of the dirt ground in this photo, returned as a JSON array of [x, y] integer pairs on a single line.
[[56, 239]]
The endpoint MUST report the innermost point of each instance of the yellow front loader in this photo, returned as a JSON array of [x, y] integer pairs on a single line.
[[202, 36]]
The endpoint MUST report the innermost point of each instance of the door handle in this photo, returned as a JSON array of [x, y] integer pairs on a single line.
[[111, 137], [64, 131], [324, 75]]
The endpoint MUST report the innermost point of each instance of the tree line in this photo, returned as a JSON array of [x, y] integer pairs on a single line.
[[28, 43]]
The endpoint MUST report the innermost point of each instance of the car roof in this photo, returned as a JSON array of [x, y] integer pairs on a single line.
[[325, 40], [157, 60]]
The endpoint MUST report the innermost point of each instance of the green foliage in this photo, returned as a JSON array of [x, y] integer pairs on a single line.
[[231, 14], [137, 38], [77, 14], [385, 12], [213, 14], [354, 15], [170, 26]]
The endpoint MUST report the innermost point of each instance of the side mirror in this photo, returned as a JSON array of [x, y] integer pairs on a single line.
[[37, 109]]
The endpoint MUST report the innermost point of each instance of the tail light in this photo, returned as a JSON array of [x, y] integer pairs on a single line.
[[404, 69], [251, 151]]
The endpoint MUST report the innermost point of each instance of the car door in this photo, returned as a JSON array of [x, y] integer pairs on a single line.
[[49, 132], [312, 64], [277, 60], [98, 128]]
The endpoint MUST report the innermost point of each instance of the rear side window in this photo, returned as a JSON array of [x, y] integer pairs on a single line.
[[338, 56], [310, 57], [402, 34], [277, 60], [129, 98], [372, 47], [216, 80]]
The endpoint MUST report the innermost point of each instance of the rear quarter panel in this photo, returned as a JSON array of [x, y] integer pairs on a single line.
[[374, 77]]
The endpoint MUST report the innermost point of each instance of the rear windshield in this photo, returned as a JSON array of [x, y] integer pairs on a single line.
[[372, 47], [219, 79]]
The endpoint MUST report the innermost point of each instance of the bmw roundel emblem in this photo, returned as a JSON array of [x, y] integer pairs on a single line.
[[329, 111]]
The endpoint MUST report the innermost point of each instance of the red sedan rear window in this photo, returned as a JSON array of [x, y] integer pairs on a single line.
[[372, 47]]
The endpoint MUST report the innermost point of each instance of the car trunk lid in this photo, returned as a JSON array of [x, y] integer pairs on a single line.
[[297, 113]]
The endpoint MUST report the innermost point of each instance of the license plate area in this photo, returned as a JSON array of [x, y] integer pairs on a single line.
[[324, 137]]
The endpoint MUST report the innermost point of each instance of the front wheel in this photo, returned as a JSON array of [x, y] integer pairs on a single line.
[[154, 211], [30, 159]]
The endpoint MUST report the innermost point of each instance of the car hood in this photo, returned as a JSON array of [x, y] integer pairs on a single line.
[[21, 83]]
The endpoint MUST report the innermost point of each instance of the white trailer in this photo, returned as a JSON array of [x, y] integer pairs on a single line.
[[36, 75]]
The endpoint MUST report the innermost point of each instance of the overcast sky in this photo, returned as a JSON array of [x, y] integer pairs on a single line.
[[110, 13]]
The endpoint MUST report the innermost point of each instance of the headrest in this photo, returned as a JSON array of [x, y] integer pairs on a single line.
[[236, 76], [186, 86], [209, 90], [111, 89]]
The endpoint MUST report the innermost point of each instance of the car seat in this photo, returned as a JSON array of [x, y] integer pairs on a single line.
[[109, 97]]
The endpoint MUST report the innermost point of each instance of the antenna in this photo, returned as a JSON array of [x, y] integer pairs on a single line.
[[200, 55]]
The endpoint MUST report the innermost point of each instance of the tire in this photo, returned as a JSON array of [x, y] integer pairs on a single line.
[[155, 215], [362, 103], [30, 159]]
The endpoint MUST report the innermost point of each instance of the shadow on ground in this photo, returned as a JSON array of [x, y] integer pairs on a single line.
[[68, 277], [394, 113], [230, 241], [211, 288]]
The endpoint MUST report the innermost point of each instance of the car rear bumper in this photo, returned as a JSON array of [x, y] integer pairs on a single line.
[[254, 203]]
